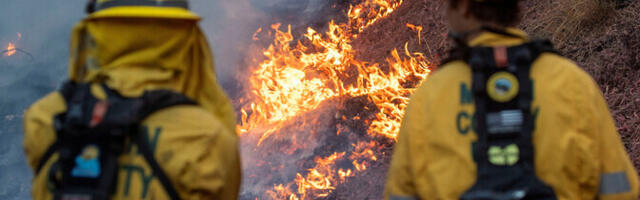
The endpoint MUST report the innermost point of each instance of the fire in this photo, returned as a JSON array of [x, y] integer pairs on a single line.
[[297, 75], [417, 29], [11, 49]]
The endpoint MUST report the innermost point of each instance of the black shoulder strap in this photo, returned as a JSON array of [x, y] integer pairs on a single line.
[[457, 53], [120, 112], [463, 52], [66, 91], [145, 149], [154, 101], [542, 46]]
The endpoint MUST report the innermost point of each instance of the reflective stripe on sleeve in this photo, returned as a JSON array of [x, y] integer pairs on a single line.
[[614, 183], [394, 197]]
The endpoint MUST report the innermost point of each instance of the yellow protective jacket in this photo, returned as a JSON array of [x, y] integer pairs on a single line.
[[578, 151], [133, 49]]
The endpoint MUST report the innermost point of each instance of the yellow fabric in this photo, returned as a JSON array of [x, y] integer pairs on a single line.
[[137, 54], [145, 12], [195, 145], [575, 139]]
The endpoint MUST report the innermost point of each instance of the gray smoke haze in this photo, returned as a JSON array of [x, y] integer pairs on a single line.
[[45, 27]]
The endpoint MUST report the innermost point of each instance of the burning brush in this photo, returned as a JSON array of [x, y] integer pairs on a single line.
[[314, 115]]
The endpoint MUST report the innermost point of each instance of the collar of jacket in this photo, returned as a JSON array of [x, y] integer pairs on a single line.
[[487, 38]]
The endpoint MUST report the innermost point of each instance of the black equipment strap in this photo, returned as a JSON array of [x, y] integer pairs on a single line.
[[122, 113], [50, 151], [156, 3], [66, 91], [505, 180], [145, 149], [155, 101], [463, 52]]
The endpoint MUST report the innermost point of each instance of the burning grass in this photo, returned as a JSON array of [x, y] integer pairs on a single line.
[[284, 118], [321, 134]]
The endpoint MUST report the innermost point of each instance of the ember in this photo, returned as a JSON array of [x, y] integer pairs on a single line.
[[301, 83]]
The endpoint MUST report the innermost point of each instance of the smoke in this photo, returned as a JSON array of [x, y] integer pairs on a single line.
[[230, 26], [45, 28]]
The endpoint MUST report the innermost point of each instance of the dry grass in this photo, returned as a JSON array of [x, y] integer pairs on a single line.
[[563, 20], [601, 36]]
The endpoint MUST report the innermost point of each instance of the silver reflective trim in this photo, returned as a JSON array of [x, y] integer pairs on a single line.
[[505, 121], [394, 197], [614, 183]]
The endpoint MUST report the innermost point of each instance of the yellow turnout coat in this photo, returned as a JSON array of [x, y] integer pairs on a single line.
[[133, 49], [578, 151]]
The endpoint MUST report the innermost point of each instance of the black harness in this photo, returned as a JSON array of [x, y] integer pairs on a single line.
[[505, 121], [92, 134]]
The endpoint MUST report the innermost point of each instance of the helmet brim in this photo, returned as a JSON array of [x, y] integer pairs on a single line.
[[145, 12]]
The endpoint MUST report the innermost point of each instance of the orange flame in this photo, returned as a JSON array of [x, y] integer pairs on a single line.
[[296, 76], [11, 49], [417, 29]]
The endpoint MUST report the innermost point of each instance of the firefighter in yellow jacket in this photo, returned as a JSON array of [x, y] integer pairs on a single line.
[[507, 118], [131, 47]]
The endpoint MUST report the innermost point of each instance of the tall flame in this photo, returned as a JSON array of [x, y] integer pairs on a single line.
[[297, 75]]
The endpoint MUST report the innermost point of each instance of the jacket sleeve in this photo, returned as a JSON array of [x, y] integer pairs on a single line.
[[400, 180], [618, 178], [216, 171], [39, 133]]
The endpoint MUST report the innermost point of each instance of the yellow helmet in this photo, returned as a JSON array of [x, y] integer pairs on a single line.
[[175, 9]]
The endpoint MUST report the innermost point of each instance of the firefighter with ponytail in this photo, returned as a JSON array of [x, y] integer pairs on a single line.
[[507, 118]]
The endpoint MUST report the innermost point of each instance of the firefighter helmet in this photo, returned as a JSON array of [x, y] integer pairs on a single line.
[[140, 8]]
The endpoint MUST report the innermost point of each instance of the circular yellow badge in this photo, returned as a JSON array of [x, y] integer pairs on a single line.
[[502, 87]]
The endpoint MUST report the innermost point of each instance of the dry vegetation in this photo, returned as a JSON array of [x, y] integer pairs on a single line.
[[602, 36]]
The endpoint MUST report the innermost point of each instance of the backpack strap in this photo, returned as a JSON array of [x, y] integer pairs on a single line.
[[121, 118], [503, 95], [462, 52], [145, 149], [66, 91], [154, 101]]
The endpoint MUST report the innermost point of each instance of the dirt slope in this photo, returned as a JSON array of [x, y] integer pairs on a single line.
[[604, 40]]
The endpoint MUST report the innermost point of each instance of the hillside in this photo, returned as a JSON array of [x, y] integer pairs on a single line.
[[602, 37]]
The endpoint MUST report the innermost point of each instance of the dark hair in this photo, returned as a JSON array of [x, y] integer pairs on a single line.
[[502, 12]]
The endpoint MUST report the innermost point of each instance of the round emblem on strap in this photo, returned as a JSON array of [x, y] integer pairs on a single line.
[[502, 87]]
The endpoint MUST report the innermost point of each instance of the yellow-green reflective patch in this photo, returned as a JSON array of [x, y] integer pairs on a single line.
[[508, 155]]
